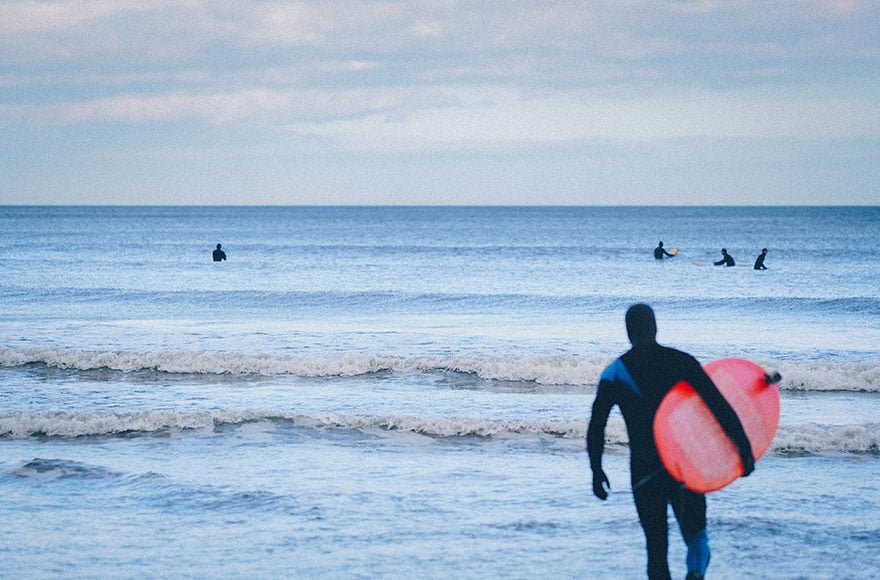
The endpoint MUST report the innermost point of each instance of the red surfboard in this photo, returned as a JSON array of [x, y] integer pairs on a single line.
[[693, 446]]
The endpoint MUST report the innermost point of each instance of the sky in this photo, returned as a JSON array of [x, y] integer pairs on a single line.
[[472, 102]]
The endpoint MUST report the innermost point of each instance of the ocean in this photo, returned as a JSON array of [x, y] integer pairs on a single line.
[[403, 392]]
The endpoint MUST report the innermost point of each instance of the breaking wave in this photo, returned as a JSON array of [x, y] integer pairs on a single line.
[[790, 440], [544, 370]]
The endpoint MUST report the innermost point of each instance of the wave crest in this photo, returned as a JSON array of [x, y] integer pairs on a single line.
[[790, 439], [544, 370], [551, 370]]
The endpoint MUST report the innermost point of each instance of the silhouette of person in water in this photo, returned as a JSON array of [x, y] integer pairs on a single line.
[[637, 382], [219, 255], [726, 259], [660, 251], [759, 262]]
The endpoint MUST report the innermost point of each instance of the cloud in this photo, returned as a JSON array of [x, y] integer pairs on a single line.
[[27, 17], [216, 108], [250, 105], [438, 117], [509, 120], [24, 17], [401, 76], [708, 42], [297, 23]]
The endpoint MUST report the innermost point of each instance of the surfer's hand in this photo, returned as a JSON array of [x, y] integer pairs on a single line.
[[748, 464], [600, 484]]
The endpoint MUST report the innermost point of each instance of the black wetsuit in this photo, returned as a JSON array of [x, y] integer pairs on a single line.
[[637, 383], [727, 260], [659, 252], [219, 255], [759, 262]]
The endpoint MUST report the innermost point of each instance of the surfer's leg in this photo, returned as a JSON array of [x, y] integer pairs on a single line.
[[698, 553], [690, 511], [651, 500]]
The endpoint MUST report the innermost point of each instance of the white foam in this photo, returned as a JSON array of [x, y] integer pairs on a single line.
[[64, 424], [810, 438], [816, 438], [545, 370], [814, 375]]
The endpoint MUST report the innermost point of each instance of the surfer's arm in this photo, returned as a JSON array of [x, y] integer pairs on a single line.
[[598, 419], [596, 436], [725, 415]]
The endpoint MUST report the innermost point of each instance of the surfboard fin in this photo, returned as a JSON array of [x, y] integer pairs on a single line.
[[772, 378]]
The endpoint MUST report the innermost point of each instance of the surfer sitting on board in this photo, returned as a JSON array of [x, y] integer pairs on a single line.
[[759, 262], [637, 382], [726, 259], [660, 251], [219, 255]]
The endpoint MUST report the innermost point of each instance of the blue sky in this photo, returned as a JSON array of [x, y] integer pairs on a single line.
[[440, 102]]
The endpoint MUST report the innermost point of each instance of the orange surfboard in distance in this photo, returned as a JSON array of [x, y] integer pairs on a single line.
[[692, 445]]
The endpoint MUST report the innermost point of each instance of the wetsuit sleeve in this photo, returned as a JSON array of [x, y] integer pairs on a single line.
[[722, 410], [598, 419]]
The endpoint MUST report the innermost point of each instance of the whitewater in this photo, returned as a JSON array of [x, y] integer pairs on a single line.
[[404, 392]]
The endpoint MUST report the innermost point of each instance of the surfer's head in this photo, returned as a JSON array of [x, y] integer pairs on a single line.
[[641, 326]]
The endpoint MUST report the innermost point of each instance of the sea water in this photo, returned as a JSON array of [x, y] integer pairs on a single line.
[[402, 392]]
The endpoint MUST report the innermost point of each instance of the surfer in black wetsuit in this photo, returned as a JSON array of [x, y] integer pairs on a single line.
[[637, 383], [219, 255], [660, 251], [759, 262], [726, 259]]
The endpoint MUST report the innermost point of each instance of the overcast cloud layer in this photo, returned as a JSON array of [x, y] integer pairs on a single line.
[[470, 102]]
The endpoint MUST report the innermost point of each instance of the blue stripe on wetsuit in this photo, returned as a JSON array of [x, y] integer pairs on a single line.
[[616, 371]]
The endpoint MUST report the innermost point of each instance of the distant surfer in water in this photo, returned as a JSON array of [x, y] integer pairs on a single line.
[[759, 263], [726, 259], [219, 255], [637, 382], [660, 251]]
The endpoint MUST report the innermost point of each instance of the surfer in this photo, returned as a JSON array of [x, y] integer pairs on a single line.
[[219, 255], [726, 259], [660, 251], [637, 382], [759, 263]]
